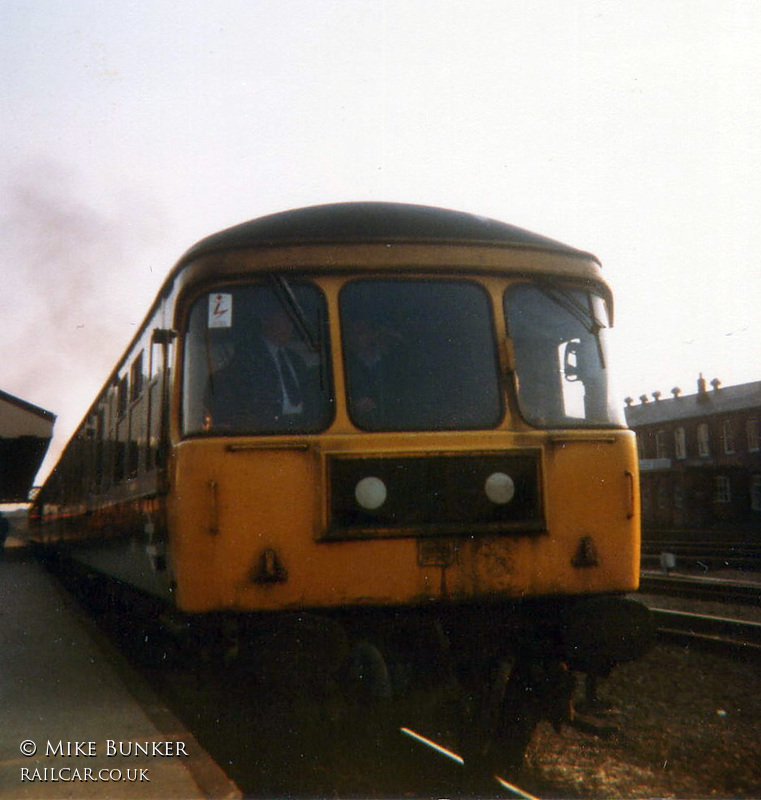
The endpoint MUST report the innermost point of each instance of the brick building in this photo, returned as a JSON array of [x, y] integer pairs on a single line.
[[700, 456]]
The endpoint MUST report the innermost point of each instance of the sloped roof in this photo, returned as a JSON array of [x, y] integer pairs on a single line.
[[714, 401], [25, 432], [25, 408]]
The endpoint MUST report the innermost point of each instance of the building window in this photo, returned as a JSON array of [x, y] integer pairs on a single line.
[[680, 443], [755, 492], [663, 494], [752, 431], [704, 441], [728, 436], [678, 498], [722, 489], [661, 451]]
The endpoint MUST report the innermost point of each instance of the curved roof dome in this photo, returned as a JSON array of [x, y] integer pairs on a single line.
[[372, 222]]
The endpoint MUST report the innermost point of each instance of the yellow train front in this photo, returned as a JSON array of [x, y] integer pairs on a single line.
[[452, 439], [391, 413]]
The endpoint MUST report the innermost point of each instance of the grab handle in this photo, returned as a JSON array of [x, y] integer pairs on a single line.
[[630, 484]]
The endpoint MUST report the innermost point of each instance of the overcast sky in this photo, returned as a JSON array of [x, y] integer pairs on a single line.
[[132, 129]]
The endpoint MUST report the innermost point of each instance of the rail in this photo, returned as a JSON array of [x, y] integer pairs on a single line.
[[701, 587], [708, 549], [513, 789], [736, 634]]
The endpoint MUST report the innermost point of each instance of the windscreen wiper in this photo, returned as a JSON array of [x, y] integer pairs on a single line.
[[316, 344], [566, 300], [296, 313]]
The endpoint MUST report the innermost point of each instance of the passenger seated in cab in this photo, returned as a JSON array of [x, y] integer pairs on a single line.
[[265, 385]]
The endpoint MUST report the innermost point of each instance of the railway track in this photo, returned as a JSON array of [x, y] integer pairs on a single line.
[[701, 587], [506, 788], [707, 550], [697, 623], [739, 635]]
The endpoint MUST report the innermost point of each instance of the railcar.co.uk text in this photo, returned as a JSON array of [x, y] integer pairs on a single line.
[[88, 749]]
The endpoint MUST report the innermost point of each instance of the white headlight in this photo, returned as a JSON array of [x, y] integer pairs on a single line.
[[499, 488], [370, 493]]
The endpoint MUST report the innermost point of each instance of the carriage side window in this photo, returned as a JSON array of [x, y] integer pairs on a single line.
[[136, 377], [559, 341], [100, 427], [122, 396], [419, 355], [256, 361]]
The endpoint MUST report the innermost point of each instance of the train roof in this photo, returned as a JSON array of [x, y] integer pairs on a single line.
[[373, 222]]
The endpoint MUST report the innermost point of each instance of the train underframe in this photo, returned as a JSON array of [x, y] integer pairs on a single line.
[[510, 664]]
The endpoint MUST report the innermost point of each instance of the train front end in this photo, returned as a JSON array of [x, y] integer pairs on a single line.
[[440, 437]]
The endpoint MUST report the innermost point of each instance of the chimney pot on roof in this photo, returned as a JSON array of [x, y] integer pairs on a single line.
[[716, 383], [644, 399], [701, 384], [657, 396], [629, 401], [676, 391]]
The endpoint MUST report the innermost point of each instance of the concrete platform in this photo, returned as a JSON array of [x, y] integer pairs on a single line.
[[75, 720]]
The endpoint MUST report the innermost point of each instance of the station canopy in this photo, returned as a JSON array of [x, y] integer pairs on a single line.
[[25, 433]]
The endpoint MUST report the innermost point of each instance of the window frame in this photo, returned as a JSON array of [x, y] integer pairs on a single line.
[[680, 443], [345, 313], [614, 415], [704, 440], [661, 445], [265, 281], [755, 492], [722, 487], [753, 434], [728, 437]]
